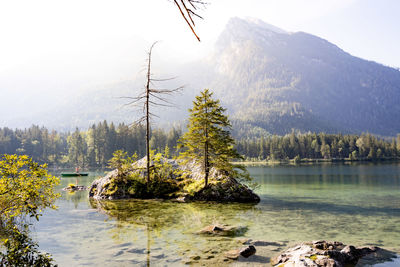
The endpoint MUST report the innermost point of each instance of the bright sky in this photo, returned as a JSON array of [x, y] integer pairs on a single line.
[[66, 45]]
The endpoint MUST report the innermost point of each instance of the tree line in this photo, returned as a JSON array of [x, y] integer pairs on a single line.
[[319, 146], [94, 147]]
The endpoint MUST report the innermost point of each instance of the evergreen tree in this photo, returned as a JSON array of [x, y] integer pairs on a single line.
[[208, 138], [77, 149]]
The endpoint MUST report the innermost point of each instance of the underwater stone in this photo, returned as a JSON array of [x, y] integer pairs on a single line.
[[222, 230], [232, 254]]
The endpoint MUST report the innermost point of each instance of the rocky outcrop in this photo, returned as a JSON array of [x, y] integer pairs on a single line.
[[329, 254], [99, 187], [220, 189], [229, 190]]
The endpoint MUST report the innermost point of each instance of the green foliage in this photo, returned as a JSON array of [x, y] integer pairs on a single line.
[[192, 186], [208, 137], [23, 251], [25, 188], [162, 188], [136, 187], [162, 177], [319, 146], [103, 139], [93, 147], [121, 161], [77, 149], [161, 169]]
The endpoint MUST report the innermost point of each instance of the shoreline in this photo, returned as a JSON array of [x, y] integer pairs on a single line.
[[312, 161]]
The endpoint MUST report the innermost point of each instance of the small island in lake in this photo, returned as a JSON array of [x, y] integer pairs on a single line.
[[206, 154], [183, 182]]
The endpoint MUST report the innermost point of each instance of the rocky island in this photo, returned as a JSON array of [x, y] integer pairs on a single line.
[[173, 180]]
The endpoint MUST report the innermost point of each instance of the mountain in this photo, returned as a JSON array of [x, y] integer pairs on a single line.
[[278, 81], [270, 81]]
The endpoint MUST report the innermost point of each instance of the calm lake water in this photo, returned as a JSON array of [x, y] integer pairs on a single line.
[[355, 204]]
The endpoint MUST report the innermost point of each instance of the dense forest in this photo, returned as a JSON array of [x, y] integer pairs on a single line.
[[319, 146], [94, 147]]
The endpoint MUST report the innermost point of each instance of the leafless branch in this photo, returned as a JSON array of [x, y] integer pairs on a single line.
[[163, 80], [187, 13]]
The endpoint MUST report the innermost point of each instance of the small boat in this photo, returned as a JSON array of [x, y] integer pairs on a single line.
[[74, 174]]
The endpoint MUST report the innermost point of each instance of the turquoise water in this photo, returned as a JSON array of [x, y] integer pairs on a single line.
[[355, 204]]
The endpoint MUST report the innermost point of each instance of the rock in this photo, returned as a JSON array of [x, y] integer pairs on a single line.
[[229, 190], [322, 244], [282, 258], [266, 243], [222, 230], [74, 188], [137, 250], [183, 199], [326, 253], [232, 254], [99, 186], [326, 262], [248, 251], [118, 253]]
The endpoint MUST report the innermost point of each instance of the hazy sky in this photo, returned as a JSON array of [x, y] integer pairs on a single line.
[[54, 46]]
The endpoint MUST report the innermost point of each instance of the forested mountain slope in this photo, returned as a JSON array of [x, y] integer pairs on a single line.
[[279, 81]]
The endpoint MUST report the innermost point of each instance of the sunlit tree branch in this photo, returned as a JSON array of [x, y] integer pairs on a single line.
[[188, 8]]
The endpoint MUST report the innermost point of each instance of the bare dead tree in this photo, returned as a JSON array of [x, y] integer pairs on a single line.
[[189, 10], [151, 97]]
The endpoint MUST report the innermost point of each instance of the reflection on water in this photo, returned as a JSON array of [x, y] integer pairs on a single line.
[[354, 204]]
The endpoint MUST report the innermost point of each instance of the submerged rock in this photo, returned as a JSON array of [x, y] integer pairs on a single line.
[[222, 230], [232, 254], [329, 254], [245, 252]]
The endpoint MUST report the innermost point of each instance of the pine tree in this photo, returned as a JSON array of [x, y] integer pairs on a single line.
[[208, 138]]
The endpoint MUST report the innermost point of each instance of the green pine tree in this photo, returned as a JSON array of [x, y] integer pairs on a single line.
[[208, 138]]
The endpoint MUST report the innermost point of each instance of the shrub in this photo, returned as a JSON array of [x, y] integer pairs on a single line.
[[25, 188], [22, 251]]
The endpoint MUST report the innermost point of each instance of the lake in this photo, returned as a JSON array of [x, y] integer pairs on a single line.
[[355, 204]]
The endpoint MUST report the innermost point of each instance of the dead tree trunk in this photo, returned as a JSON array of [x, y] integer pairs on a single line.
[[151, 97]]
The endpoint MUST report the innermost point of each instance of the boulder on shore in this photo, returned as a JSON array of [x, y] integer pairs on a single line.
[[328, 254]]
